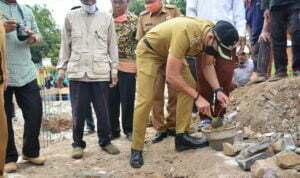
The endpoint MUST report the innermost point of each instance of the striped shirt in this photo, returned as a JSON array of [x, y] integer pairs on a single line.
[[20, 66]]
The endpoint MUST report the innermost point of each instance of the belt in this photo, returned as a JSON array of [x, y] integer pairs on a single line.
[[148, 44]]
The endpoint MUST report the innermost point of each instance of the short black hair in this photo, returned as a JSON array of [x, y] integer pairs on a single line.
[[75, 7]]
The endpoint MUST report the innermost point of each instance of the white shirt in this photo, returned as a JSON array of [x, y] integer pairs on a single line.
[[232, 11]]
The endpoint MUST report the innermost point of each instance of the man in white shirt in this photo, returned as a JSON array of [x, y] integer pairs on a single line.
[[232, 11]]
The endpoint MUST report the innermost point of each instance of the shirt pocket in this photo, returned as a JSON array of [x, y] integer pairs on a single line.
[[74, 63], [101, 64], [101, 38]]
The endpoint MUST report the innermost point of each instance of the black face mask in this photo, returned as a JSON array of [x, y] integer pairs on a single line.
[[210, 50]]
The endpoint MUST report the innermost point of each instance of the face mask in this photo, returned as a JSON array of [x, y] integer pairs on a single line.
[[210, 50], [154, 7], [90, 9]]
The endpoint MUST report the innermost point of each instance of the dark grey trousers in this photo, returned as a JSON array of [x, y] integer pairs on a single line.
[[82, 94]]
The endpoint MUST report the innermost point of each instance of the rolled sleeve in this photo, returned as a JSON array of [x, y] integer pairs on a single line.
[[179, 44], [239, 17], [113, 48], [65, 47]]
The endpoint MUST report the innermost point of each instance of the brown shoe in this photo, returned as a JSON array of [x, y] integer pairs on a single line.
[[36, 161], [10, 167], [259, 79]]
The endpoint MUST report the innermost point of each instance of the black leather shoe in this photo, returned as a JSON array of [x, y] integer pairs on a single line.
[[136, 159], [184, 142], [159, 136], [172, 132]]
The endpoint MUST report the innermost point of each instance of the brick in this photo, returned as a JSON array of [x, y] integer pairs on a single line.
[[278, 146], [260, 167], [247, 163], [230, 150], [259, 147], [288, 160]]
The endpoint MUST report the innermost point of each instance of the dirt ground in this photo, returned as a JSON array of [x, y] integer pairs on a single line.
[[266, 107], [161, 160], [269, 106]]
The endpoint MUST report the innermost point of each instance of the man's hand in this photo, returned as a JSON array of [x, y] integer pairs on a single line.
[[10, 25], [265, 36], [114, 80], [203, 106], [223, 99], [33, 38], [60, 81]]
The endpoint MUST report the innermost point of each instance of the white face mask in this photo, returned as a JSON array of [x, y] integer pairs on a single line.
[[91, 9]]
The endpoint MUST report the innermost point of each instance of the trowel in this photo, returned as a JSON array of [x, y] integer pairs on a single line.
[[216, 121]]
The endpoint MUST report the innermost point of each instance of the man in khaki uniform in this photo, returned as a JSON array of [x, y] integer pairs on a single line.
[[3, 84], [155, 14], [165, 47]]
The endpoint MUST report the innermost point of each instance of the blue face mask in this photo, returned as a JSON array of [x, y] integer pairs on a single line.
[[91, 9]]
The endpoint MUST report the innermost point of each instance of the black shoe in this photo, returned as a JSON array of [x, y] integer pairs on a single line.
[[184, 142], [136, 159], [129, 136], [159, 136], [115, 136], [171, 132]]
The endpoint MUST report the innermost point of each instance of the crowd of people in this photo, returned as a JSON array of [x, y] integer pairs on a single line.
[[124, 61]]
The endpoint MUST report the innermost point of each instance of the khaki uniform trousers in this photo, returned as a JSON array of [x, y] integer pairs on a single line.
[[148, 64], [3, 131], [158, 118]]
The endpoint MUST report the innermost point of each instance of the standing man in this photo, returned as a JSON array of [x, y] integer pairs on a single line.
[[284, 14], [155, 14], [89, 55], [3, 84], [232, 11], [165, 48], [258, 28], [22, 82], [124, 92]]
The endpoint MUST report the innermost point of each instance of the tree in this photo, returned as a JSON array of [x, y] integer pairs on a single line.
[[50, 33], [181, 4], [137, 6]]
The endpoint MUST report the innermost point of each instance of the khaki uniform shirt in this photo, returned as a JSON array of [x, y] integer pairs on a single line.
[[89, 49], [3, 70], [179, 37], [148, 20]]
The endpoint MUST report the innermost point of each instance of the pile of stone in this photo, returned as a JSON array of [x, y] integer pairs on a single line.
[[277, 155]]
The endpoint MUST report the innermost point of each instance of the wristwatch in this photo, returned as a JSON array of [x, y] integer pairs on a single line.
[[218, 90]]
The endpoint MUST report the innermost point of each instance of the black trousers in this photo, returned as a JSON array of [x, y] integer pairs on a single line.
[[123, 93], [82, 94], [29, 100], [283, 17]]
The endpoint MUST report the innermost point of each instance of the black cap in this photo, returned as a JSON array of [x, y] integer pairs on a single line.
[[227, 37]]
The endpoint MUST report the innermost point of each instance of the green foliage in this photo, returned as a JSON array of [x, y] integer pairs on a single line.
[[137, 6], [181, 4], [50, 33]]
